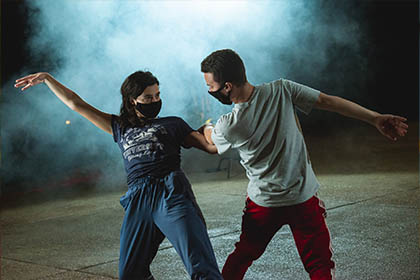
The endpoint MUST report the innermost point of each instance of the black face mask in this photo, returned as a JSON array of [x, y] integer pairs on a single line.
[[150, 110], [225, 99]]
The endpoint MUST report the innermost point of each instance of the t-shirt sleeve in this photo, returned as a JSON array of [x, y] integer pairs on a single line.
[[184, 129], [218, 136], [116, 130], [303, 97]]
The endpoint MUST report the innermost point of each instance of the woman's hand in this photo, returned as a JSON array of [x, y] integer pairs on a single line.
[[391, 126], [197, 140], [31, 80]]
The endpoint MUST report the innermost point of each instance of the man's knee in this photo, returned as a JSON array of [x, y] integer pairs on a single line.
[[323, 274], [249, 250]]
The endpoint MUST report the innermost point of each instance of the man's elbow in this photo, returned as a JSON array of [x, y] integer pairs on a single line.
[[325, 102]]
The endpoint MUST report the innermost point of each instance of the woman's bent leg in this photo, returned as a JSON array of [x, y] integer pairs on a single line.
[[139, 239], [180, 222]]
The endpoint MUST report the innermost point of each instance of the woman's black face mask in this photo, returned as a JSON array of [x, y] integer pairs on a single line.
[[225, 99], [150, 110]]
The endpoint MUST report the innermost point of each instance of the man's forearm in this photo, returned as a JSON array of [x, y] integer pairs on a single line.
[[346, 108]]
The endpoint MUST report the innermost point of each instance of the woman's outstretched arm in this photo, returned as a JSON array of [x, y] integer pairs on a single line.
[[68, 97], [196, 139]]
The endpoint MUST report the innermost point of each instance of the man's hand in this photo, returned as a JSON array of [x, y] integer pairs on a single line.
[[206, 130], [391, 126]]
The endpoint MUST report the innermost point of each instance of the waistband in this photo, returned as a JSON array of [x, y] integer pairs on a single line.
[[149, 179]]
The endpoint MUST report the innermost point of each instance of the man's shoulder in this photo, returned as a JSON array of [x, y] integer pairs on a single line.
[[276, 82], [225, 122], [272, 86]]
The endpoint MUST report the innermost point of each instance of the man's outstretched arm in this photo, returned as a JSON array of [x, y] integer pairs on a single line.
[[389, 125]]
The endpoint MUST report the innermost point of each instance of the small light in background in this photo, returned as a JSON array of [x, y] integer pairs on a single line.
[[68, 122]]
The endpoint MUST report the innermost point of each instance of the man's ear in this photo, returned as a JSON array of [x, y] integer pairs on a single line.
[[228, 86]]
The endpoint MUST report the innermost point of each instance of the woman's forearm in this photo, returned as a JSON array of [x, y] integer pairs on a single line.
[[69, 98], [66, 95]]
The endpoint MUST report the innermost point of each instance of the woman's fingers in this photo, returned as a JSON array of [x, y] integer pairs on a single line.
[[21, 83], [26, 87], [25, 78], [28, 82], [25, 84]]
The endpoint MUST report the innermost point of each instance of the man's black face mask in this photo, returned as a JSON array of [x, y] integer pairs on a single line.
[[225, 99]]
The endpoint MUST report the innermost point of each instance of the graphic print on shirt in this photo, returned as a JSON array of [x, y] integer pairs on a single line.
[[140, 142]]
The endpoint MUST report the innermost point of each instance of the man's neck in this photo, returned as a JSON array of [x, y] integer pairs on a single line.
[[244, 93]]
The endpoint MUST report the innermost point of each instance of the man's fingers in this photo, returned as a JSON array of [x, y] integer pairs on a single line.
[[390, 132], [400, 118], [389, 136], [403, 125], [401, 132]]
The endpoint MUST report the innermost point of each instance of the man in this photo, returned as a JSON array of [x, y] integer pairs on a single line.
[[282, 189]]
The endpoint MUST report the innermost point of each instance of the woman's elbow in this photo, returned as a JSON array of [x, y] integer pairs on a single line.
[[211, 149], [76, 103]]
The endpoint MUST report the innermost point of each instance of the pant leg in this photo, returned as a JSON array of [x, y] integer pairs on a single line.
[[259, 224], [191, 196], [139, 238], [179, 220], [312, 238]]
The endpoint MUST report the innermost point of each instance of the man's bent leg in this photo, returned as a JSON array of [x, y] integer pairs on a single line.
[[259, 224], [312, 238]]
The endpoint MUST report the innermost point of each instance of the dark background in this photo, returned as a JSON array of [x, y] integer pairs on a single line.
[[392, 29], [390, 49]]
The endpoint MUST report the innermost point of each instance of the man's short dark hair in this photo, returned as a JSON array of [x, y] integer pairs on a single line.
[[226, 66]]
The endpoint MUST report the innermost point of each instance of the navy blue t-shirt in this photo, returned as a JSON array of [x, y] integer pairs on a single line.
[[154, 149]]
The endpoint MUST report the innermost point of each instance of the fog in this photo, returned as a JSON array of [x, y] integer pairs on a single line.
[[92, 46]]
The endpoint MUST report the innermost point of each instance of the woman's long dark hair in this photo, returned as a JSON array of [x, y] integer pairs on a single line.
[[132, 87]]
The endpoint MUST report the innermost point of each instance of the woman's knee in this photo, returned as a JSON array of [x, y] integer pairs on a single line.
[[141, 274]]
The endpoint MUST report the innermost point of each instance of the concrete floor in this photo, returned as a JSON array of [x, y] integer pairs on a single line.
[[370, 187]]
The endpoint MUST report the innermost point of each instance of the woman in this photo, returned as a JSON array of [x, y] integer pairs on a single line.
[[159, 201]]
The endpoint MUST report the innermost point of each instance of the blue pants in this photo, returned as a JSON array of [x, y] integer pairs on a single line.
[[159, 207]]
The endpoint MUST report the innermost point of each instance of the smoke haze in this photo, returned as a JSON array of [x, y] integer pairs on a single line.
[[92, 46]]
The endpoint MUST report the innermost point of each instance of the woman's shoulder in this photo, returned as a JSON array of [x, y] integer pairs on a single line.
[[170, 119]]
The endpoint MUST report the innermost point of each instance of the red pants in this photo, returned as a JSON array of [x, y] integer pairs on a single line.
[[259, 224]]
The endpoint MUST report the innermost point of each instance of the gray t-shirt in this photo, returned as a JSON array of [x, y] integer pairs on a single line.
[[265, 132]]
